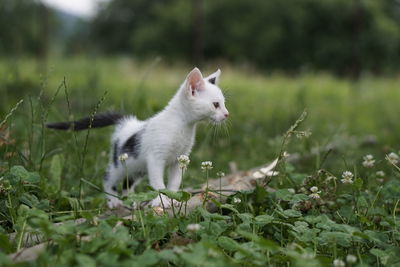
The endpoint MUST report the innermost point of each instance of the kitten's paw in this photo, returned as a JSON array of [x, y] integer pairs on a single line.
[[114, 203], [166, 202]]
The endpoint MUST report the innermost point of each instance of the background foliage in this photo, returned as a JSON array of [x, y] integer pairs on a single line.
[[345, 37]]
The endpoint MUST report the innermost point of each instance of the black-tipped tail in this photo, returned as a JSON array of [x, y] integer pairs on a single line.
[[99, 120]]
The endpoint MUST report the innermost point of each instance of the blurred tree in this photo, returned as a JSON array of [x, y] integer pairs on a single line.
[[25, 26]]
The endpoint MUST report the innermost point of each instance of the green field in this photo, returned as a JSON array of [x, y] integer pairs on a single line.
[[348, 120]]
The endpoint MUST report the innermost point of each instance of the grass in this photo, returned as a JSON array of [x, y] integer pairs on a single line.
[[49, 176]]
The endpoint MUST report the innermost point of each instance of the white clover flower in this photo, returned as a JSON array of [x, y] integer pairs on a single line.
[[236, 200], [206, 165], [347, 177], [315, 196], [380, 173], [123, 157], [338, 263], [369, 161], [314, 189], [351, 258], [220, 174], [183, 161], [193, 227], [291, 190], [315, 193], [393, 158]]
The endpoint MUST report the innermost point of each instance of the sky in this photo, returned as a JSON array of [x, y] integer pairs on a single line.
[[82, 8]]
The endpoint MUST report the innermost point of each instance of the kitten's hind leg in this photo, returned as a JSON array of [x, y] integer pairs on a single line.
[[112, 176]]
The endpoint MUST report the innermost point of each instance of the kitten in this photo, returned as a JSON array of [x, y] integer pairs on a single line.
[[154, 144]]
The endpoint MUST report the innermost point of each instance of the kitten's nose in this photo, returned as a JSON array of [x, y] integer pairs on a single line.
[[226, 115]]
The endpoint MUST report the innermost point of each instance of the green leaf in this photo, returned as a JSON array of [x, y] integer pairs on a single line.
[[342, 239], [148, 258], [179, 196], [212, 216], [382, 255], [230, 207], [85, 261], [21, 174], [29, 200], [284, 194], [299, 198], [246, 217], [292, 213], [264, 219], [228, 243]]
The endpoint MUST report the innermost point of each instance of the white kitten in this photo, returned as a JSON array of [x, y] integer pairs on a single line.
[[153, 145]]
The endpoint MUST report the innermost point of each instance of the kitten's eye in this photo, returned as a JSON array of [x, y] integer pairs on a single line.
[[216, 104]]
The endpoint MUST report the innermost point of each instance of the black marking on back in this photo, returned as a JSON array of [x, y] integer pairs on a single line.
[[97, 121], [115, 153], [132, 145], [212, 80]]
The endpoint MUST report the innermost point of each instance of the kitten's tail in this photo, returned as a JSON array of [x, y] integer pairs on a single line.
[[97, 121]]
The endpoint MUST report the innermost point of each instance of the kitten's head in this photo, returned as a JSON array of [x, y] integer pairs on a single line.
[[205, 98]]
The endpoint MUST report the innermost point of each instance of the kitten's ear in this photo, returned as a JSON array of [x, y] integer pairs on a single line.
[[195, 82], [214, 78]]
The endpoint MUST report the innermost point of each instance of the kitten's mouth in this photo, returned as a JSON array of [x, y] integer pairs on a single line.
[[215, 121]]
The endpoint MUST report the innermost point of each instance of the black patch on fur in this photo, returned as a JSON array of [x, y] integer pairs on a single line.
[[212, 80], [132, 145], [99, 120], [115, 153]]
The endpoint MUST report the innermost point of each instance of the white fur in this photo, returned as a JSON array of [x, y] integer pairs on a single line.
[[167, 135]]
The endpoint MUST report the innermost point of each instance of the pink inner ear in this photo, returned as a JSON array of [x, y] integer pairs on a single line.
[[196, 82]]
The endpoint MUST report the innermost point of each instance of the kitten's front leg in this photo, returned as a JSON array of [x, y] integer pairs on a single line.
[[155, 168], [174, 177]]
